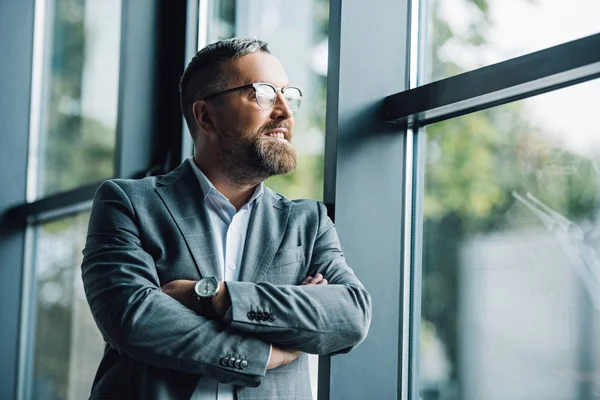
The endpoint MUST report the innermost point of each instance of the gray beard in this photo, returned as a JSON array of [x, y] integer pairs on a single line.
[[249, 163]]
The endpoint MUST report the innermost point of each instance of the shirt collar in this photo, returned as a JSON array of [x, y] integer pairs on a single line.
[[208, 188]]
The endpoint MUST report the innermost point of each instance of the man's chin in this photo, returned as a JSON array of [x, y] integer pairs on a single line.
[[279, 158], [283, 165]]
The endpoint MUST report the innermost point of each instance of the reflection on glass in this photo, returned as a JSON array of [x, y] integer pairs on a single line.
[[462, 35], [511, 260], [221, 20], [306, 66], [67, 345], [79, 94]]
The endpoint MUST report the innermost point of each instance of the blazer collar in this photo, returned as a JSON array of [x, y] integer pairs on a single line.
[[181, 193], [266, 229]]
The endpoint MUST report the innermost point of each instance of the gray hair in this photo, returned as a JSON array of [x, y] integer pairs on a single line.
[[204, 74]]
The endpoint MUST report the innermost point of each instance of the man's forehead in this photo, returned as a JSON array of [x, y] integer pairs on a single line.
[[257, 67]]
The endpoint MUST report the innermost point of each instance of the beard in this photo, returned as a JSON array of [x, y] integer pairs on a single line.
[[250, 158]]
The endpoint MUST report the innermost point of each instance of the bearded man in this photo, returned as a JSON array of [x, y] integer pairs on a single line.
[[204, 283]]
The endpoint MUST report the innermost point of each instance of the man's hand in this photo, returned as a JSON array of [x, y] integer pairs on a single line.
[[318, 279], [222, 301], [281, 357], [182, 290]]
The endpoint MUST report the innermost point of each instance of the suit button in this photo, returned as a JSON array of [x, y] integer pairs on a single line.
[[265, 316], [238, 363], [224, 361], [272, 317], [244, 364], [251, 315], [232, 361]]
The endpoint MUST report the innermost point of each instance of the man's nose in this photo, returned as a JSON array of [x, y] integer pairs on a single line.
[[281, 108]]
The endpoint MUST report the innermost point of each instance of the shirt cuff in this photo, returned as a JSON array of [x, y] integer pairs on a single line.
[[270, 352]]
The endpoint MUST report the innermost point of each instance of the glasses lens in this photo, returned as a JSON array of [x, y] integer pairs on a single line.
[[265, 96], [293, 96]]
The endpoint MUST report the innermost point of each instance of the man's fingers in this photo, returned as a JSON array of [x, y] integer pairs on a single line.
[[318, 279], [306, 280]]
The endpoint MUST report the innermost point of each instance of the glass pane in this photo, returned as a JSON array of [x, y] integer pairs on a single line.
[[511, 246], [463, 35], [221, 20], [67, 345], [306, 66], [79, 94]]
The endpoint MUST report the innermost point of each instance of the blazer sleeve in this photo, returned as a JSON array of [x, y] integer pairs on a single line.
[[136, 318], [317, 319]]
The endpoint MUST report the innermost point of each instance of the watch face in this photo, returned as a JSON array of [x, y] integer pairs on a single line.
[[207, 287]]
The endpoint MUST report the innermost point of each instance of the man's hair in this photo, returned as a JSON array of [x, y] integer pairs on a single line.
[[205, 74]]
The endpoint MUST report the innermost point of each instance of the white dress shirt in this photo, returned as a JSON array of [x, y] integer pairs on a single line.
[[229, 228]]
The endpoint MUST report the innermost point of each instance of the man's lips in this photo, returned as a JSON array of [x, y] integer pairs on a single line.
[[281, 134]]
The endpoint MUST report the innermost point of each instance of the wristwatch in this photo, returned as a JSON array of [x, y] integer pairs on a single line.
[[206, 289]]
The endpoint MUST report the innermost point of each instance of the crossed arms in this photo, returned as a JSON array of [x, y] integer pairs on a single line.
[[183, 291], [141, 321]]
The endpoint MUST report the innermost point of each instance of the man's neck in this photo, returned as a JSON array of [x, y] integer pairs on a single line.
[[238, 195]]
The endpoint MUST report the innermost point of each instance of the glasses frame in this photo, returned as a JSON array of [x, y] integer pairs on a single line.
[[255, 87]]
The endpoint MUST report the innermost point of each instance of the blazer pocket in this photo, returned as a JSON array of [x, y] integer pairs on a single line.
[[288, 256]]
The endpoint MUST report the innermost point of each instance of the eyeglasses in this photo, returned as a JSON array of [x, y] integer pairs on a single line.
[[266, 94]]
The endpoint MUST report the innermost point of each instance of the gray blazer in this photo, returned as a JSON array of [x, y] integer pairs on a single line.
[[145, 233]]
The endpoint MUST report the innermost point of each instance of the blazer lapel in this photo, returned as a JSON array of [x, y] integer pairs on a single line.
[[266, 228], [182, 195]]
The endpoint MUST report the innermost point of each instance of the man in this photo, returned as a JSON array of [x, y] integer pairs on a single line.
[[204, 283]]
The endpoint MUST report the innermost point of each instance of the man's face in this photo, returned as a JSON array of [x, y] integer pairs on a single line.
[[253, 142]]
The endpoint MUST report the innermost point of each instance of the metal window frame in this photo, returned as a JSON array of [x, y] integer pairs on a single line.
[[515, 79], [364, 183]]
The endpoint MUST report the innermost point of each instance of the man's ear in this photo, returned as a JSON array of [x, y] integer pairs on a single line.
[[203, 117]]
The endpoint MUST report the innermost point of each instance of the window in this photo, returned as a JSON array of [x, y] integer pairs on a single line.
[[511, 285], [467, 34], [74, 130], [500, 275], [66, 341], [71, 145], [83, 130], [306, 66], [305, 63]]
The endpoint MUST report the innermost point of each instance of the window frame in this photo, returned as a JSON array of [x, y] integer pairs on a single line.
[[515, 79], [149, 69]]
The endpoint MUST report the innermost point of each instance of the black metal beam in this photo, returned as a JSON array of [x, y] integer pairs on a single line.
[[170, 63], [55, 206], [536, 73], [365, 154]]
